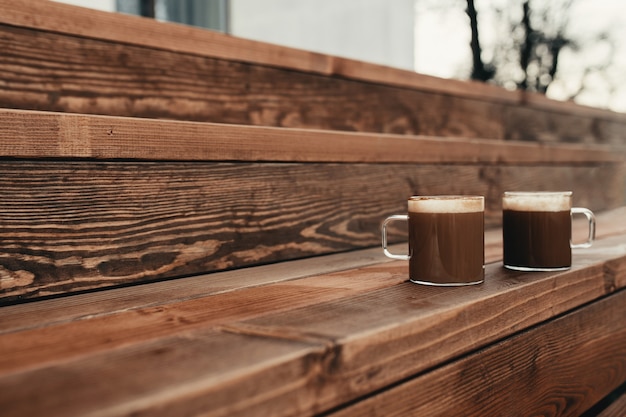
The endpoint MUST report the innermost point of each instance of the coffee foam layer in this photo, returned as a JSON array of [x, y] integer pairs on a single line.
[[537, 202], [446, 204]]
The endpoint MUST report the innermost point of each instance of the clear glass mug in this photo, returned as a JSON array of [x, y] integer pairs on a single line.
[[537, 230], [446, 239]]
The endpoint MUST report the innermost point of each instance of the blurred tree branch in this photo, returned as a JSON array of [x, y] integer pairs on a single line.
[[534, 45], [480, 70], [538, 35]]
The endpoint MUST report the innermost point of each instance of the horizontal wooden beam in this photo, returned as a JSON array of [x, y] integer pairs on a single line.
[[32, 134]]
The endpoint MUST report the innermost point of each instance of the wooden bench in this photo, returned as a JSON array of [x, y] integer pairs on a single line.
[[191, 226]]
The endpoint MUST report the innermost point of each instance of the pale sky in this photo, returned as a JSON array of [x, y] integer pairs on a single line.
[[442, 47]]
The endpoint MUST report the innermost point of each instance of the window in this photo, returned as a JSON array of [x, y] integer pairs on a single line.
[[211, 14]]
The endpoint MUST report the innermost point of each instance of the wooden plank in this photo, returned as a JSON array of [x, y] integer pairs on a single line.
[[131, 30], [62, 310], [101, 77], [32, 134], [126, 29], [93, 76], [199, 368], [537, 124], [560, 368], [66, 309], [72, 226], [119, 327], [398, 332], [542, 103], [311, 345]]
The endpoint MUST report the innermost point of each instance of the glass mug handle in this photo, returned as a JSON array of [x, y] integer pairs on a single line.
[[592, 227], [390, 219]]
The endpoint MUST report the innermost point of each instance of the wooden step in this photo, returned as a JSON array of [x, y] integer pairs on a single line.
[[313, 344], [243, 185], [36, 134], [63, 58], [112, 301], [560, 368], [95, 201]]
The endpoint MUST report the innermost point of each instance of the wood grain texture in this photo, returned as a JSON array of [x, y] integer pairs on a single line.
[[92, 202], [43, 344], [371, 359], [45, 16], [33, 134], [55, 17], [528, 123], [560, 368], [101, 77], [151, 379], [308, 345], [70, 226], [53, 311], [62, 310]]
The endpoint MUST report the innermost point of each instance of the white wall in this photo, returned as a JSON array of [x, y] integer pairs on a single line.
[[379, 31], [106, 5]]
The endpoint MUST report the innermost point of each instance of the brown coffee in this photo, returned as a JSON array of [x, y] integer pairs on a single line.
[[537, 229], [537, 239], [446, 248], [446, 239]]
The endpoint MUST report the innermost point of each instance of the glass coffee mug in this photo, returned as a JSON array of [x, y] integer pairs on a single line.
[[446, 240], [537, 230]]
